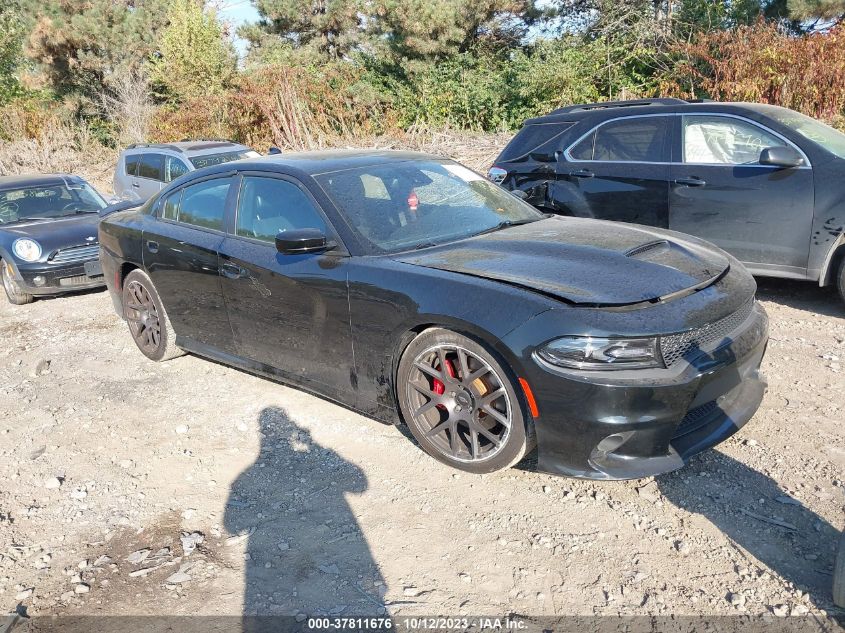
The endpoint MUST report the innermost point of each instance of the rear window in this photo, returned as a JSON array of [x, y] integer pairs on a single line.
[[536, 137], [151, 166]]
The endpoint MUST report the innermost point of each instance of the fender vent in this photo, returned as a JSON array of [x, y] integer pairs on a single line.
[[645, 248]]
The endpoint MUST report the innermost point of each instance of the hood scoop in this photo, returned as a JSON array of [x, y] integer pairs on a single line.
[[645, 248]]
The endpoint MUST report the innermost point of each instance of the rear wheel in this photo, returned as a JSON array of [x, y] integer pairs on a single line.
[[147, 319], [13, 290], [460, 403]]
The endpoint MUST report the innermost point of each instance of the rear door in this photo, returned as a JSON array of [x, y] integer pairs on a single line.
[[180, 255], [761, 214], [150, 177], [290, 312], [620, 171]]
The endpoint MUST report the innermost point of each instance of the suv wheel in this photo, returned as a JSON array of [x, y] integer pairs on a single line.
[[147, 319], [13, 290], [841, 278]]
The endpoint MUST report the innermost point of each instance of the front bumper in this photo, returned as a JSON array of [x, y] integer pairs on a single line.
[[50, 279], [651, 421]]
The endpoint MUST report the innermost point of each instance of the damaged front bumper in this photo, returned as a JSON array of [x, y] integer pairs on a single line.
[[648, 422]]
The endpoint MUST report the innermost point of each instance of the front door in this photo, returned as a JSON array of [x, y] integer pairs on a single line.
[[760, 214], [620, 171], [180, 254], [289, 312]]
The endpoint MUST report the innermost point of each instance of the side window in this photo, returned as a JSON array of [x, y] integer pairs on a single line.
[[170, 206], [173, 168], [584, 149], [725, 140], [151, 166], [269, 206], [635, 139], [131, 164], [204, 204]]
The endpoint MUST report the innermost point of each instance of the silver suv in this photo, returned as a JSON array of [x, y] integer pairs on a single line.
[[143, 169]]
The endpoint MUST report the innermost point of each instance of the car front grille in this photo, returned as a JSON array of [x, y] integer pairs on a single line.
[[76, 254], [675, 346]]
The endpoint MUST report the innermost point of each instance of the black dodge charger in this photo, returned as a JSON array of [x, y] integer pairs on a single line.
[[411, 289], [48, 235]]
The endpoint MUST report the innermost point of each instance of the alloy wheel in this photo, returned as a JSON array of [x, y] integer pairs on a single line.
[[460, 402], [143, 318]]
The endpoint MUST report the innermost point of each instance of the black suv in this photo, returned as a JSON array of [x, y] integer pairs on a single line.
[[764, 183]]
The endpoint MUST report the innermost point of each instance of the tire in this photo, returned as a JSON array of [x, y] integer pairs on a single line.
[[13, 290], [470, 416], [840, 278], [147, 319], [839, 575]]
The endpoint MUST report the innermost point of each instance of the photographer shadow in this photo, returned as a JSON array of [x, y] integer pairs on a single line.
[[751, 509], [306, 554]]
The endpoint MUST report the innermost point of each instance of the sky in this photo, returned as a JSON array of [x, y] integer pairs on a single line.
[[237, 12]]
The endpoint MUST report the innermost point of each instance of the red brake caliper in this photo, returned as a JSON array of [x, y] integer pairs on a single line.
[[438, 387]]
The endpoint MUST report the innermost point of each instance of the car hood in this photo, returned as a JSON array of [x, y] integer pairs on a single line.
[[585, 262], [74, 230]]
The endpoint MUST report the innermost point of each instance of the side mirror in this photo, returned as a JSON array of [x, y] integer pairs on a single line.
[[300, 241], [497, 174], [545, 157], [781, 156], [273, 151]]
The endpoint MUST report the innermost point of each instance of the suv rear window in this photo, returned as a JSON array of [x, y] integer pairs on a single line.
[[626, 140], [535, 137]]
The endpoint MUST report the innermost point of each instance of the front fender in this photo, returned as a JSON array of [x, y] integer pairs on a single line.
[[827, 270]]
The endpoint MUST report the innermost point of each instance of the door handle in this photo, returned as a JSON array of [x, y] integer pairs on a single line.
[[690, 182], [136, 185], [152, 246], [231, 271], [581, 173]]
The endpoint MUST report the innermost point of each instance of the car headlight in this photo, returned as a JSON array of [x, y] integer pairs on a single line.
[[585, 352], [26, 249]]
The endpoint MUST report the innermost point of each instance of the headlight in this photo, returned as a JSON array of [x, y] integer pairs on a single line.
[[584, 352], [26, 249]]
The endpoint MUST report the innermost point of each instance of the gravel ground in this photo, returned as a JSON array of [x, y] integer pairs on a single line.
[[130, 487]]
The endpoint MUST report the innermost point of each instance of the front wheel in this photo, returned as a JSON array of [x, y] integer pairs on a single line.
[[460, 403], [147, 319], [841, 278], [13, 290]]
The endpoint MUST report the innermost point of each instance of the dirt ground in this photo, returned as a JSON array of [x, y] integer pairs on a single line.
[[130, 487]]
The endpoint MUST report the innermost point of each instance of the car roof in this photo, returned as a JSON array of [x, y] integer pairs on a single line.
[[639, 107], [38, 180], [325, 161], [191, 147]]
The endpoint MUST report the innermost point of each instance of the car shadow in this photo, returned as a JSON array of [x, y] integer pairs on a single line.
[[305, 551], [801, 295], [750, 508]]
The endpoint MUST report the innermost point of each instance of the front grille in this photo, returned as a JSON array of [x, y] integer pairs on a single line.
[[675, 346], [76, 254], [695, 419]]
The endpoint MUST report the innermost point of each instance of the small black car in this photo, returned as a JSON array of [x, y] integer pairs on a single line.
[[408, 287], [762, 182], [48, 236]]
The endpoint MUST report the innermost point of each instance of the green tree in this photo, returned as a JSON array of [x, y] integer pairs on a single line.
[[11, 45], [78, 45], [193, 57], [439, 29], [820, 9], [313, 29]]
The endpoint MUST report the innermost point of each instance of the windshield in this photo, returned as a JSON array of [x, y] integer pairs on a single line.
[[52, 201], [829, 138], [207, 160], [401, 206]]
